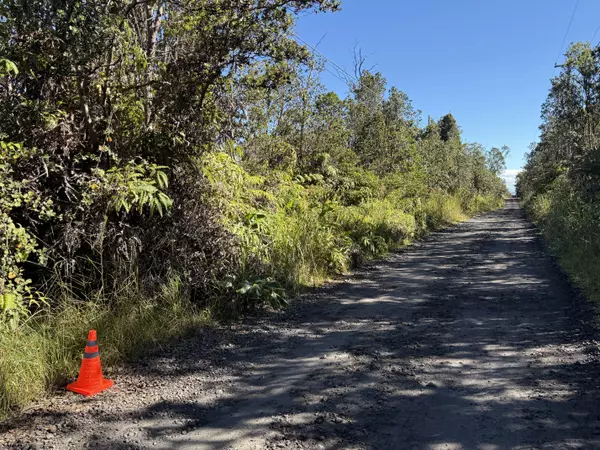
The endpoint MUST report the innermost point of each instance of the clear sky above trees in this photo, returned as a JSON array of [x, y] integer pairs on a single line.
[[489, 63]]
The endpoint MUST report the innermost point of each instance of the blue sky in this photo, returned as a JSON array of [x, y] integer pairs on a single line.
[[489, 63]]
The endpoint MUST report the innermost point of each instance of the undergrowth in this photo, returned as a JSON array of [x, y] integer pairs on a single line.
[[296, 241], [571, 226]]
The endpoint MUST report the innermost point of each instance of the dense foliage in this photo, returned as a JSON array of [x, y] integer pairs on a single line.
[[561, 181], [189, 146]]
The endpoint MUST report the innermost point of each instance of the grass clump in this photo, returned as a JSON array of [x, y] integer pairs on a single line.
[[46, 350]]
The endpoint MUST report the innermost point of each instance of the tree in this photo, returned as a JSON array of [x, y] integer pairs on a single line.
[[448, 128], [365, 117], [496, 159], [570, 136], [107, 98]]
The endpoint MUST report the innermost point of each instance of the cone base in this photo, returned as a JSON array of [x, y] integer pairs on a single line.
[[90, 390]]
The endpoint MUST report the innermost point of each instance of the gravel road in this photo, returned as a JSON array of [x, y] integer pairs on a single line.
[[472, 339]]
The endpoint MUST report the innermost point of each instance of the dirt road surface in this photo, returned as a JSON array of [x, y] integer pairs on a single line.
[[472, 339]]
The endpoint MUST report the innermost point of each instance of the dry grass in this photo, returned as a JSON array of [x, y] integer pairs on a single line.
[[46, 351]]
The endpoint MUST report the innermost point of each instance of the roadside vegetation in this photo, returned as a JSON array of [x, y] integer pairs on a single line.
[[560, 184], [165, 164]]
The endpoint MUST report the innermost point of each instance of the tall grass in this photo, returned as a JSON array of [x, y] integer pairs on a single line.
[[443, 209], [305, 248], [571, 226], [379, 218], [46, 351]]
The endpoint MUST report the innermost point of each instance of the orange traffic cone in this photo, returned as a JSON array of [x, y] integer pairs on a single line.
[[90, 380]]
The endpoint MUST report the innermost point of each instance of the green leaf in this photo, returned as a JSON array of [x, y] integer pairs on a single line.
[[9, 301], [163, 180], [159, 208], [165, 200], [245, 288], [8, 67]]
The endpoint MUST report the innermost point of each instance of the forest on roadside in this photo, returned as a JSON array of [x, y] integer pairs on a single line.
[[560, 183], [164, 164]]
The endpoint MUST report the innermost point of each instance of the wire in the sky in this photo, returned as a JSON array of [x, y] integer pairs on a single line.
[[565, 37], [314, 49], [339, 68], [594, 36]]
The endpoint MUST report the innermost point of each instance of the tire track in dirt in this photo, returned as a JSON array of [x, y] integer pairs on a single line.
[[472, 339]]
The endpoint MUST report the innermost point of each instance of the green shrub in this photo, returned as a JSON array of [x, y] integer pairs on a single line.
[[443, 209], [294, 230], [539, 208], [306, 248], [571, 225], [376, 226], [475, 202]]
